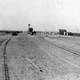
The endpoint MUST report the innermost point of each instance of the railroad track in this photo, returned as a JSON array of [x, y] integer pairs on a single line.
[[61, 57], [65, 48], [58, 38]]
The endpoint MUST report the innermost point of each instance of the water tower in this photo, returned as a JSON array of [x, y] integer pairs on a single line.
[[30, 29], [29, 26]]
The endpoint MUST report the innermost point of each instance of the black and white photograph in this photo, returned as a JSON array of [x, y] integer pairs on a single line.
[[39, 39]]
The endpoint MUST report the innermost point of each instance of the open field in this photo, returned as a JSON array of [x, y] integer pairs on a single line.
[[42, 58]]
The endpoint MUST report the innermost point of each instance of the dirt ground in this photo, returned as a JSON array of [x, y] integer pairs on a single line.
[[36, 58]]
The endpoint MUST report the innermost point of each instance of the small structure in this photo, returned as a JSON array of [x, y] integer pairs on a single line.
[[74, 34], [30, 30], [63, 32]]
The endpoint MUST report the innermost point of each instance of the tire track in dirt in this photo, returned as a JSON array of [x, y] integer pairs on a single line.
[[1, 58], [5, 65]]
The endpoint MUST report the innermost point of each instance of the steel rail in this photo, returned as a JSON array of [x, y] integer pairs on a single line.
[[66, 49]]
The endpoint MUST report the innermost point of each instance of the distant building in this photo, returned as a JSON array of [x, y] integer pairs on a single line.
[[31, 30], [63, 32], [74, 34]]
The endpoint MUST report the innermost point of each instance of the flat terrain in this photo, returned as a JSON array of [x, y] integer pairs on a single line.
[[42, 58]]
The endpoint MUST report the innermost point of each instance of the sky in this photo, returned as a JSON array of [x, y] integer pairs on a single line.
[[41, 14]]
